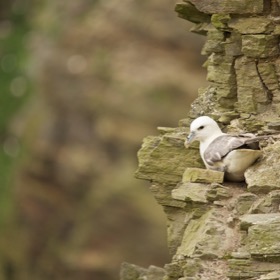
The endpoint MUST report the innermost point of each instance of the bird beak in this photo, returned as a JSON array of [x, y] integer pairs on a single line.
[[190, 139]]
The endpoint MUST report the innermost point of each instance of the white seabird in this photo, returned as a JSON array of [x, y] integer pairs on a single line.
[[224, 152]]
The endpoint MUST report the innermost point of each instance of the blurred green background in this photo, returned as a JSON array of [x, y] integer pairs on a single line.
[[81, 83]]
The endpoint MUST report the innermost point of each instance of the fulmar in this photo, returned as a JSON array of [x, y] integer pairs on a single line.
[[224, 152]]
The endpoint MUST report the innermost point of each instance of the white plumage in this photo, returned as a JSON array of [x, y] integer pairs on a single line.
[[224, 152]]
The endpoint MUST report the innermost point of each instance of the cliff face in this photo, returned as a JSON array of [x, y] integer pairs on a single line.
[[222, 230]]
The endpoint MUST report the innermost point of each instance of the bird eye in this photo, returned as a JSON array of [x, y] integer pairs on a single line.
[[201, 127]]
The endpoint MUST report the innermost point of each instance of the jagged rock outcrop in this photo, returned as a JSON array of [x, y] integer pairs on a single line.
[[224, 230]]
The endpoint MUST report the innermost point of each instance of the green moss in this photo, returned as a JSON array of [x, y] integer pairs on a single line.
[[220, 20]]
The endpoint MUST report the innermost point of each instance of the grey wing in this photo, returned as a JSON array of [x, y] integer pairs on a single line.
[[253, 142], [220, 147]]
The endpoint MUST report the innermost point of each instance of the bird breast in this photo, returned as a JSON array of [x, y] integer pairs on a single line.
[[237, 161]]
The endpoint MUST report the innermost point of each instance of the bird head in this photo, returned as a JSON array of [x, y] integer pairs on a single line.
[[202, 129]]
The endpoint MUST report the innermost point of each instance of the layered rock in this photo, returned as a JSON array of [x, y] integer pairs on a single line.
[[220, 230]]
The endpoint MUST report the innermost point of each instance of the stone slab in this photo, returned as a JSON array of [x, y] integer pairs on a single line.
[[191, 192], [198, 175], [249, 220], [229, 6]]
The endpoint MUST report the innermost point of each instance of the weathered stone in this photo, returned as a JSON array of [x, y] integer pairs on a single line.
[[164, 158], [277, 68], [220, 70], [246, 73], [233, 44], [263, 176], [155, 273], [251, 93], [205, 104], [177, 220], [191, 192], [249, 220], [268, 75], [189, 278], [206, 237], [219, 76], [163, 130], [213, 43], [189, 12], [241, 255], [245, 100], [275, 6], [220, 21], [242, 269], [226, 96], [244, 202], [229, 6], [131, 271], [268, 204], [162, 194], [192, 267], [250, 123], [227, 103], [200, 28], [225, 64], [262, 97], [251, 25], [174, 270], [225, 92], [274, 125], [275, 275], [184, 122], [227, 117], [198, 175], [276, 108], [260, 45], [276, 30], [263, 241], [218, 192]]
